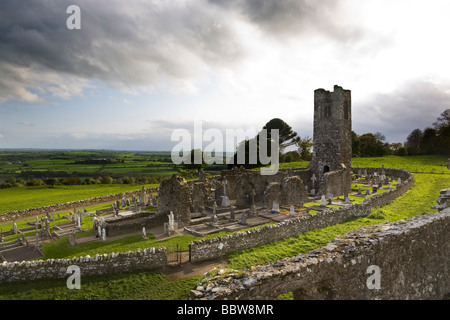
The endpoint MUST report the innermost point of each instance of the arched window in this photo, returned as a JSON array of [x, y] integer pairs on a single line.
[[326, 169]]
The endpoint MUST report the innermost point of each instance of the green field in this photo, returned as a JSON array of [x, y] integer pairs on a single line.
[[430, 173], [20, 198]]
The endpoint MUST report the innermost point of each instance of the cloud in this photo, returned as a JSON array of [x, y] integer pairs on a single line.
[[1, 136], [144, 45], [415, 104]]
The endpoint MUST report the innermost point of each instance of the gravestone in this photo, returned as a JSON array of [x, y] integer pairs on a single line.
[[322, 201], [359, 191], [232, 213], [144, 233], [367, 192], [399, 181], [347, 200], [374, 189], [103, 234], [243, 218], [275, 207], [292, 211], [72, 241]]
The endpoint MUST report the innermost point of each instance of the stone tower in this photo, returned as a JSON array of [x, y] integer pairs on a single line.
[[332, 141]]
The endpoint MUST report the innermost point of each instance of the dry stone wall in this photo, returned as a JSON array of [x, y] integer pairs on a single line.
[[146, 259], [209, 249], [408, 259]]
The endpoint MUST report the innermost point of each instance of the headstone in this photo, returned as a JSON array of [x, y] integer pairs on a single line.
[[15, 228], [72, 241], [365, 172], [232, 213], [359, 173], [171, 221], [214, 208], [243, 218], [144, 233], [291, 213], [52, 217], [99, 231], [359, 191], [79, 222], [103, 234], [347, 200], [330, 198], [275, 207], [374, 189], [225, 201], [399, 181], [213, 221], [322, 201], [313, 192], [36, 243], [367, 192]]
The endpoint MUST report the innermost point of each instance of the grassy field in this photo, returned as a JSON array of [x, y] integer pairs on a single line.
[[430, 175], [20, 198]]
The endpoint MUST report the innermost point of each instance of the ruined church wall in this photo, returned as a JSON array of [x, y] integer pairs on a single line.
[[209, 249], [146, 259], [412, 257]]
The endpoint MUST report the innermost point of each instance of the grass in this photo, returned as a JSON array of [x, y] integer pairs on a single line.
[[429, 180], [21, 198]]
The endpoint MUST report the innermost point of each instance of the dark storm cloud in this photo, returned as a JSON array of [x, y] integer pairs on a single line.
[[139, 43], [416, 104], [123, 44], [291, 18]]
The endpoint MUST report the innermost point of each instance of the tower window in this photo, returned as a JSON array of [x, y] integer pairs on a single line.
[[326, 169], [327, 111]]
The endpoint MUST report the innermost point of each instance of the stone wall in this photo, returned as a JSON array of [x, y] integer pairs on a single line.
[[408, 259], [33, 212], [132, 225], [209, 249], [147, 259]]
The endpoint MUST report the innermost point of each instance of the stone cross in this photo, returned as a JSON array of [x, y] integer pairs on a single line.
[[224, 184], [171, 220], [313, 179]]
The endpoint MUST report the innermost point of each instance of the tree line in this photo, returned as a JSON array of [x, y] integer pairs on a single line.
[[432, 140]]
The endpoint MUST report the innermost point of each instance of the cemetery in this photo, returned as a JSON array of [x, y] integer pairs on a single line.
[[247, 209]]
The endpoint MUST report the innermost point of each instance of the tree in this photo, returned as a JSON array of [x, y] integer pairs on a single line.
[[287, 136], [443, 120], [51, 182], [412, 143], [304, 148], [356, 147], [429, 141]]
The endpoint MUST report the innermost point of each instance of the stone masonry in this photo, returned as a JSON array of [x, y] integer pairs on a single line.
[[411, 259]]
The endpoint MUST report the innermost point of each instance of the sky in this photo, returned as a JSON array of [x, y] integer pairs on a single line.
[[137, 71]]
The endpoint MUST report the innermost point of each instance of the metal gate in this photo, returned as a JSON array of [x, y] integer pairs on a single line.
[[178, 254]]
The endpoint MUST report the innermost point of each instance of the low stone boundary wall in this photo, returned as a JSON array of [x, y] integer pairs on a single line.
[[209, 249], [32, 212], [407, 259], [147, 259]]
